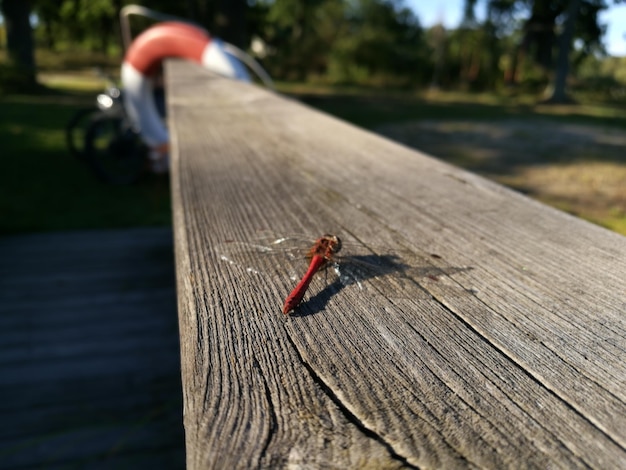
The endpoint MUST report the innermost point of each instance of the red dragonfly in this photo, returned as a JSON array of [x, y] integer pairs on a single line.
[[266, 255], [320, 254], [359, 265]]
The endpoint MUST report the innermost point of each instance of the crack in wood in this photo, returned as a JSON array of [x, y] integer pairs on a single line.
[[351, 417], [273, 424]]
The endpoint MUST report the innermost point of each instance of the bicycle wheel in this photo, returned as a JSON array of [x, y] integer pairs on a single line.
[[113, 150], [76, 129]]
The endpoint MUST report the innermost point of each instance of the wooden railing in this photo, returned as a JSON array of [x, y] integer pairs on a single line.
[[494, 334]]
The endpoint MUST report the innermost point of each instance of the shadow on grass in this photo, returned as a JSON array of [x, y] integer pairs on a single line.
[[373, 109], [503, 146]]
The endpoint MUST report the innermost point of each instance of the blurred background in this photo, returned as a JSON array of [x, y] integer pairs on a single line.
[[531, 93]]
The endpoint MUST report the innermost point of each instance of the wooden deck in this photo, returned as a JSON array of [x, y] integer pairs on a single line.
[[89, 352], [493, 337]]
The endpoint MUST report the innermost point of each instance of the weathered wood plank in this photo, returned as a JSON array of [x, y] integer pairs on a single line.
[[89, 363], [497, 340]]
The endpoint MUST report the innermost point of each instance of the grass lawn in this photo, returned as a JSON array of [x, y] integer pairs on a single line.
[[44, 188]]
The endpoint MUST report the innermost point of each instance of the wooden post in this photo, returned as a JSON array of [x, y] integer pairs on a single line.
[[494, 336]]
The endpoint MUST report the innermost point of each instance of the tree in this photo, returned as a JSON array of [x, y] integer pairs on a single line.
[[20, 40], [557, 93], [551, 25], [91, 23], [382, 43], [50, 20], [300, 33], [91, 20]]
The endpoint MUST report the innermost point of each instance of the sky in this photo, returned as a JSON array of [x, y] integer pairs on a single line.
[[431, 12]]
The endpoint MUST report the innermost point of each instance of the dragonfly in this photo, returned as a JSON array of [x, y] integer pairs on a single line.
[[320, 254], [258, 255]]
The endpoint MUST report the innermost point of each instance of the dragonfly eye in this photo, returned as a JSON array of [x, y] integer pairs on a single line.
[[330, 243]]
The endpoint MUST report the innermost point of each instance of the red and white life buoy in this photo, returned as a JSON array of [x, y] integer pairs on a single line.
[[142, 61]]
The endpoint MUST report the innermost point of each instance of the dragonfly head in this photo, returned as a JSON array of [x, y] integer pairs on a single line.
[[333, 242]]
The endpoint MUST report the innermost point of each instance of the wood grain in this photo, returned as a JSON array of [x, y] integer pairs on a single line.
[[502, 346]]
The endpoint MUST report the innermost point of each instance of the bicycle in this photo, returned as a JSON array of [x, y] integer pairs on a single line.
[[102, 136]]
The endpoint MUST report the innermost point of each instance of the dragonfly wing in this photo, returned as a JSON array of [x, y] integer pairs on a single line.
[[263, 256]]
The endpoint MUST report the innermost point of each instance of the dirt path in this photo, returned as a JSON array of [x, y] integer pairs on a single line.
[[577, 168]]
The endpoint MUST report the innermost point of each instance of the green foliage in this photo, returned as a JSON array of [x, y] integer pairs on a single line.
[[299, 35], [603, 78], [473, 59], [355, 42], [614, 67], [382, 43], [92, 23], [362, 41]]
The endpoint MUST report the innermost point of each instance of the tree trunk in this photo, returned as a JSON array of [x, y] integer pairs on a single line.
[[556, 92], [20, 43]]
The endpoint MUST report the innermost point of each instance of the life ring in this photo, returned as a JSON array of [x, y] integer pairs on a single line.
[[142, 61]]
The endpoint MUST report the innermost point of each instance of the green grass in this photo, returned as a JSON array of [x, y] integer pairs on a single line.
[[42, 187], [369, 108]]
